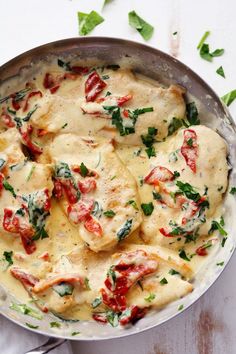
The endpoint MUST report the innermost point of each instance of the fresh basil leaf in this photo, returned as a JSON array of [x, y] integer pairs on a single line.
[[183, 255], [63, 289], [156, 196], [220, 71], [112, 318], [96, 302], [75, 333], [217, 53], [174, 125], [205, 52], [125, 230], [9, 188], [150, 298], [106, 2], [163, 281], [215, 225], [8, 257], [147, 208], [188, 191], [87, 22], [26, 310], [204, 37], [109, 213], [64, 65], [233, 190], [55, 324], [144, 28], [229, 97], [133, 203], [192, 113], [173, 272]]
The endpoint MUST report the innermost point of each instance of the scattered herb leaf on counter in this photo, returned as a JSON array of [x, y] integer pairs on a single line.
[[147, 208], [55, 325], [204, 49], [145, 29], [31, 326], [233, 190], [150, 298], [229, 97], [106, 2], [26, 310], [87, 22], [220, 71], [204, 37], [8, 257]]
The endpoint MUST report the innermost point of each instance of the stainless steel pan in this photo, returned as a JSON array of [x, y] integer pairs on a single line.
[[162, 67]]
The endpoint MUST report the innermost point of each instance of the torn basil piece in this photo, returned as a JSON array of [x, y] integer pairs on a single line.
[[87, 22], [145, 29], [63, 289]]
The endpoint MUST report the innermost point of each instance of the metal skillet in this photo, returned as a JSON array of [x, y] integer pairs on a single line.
[[165, 69]]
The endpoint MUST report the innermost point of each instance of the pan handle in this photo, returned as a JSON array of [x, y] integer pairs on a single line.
[[51, 344]]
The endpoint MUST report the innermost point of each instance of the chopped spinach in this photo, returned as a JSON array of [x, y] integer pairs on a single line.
[[63, 289], [125, 230], [147, 208], [8, 257], [9, 188], [109, 213], [192, 114], [174, 125]]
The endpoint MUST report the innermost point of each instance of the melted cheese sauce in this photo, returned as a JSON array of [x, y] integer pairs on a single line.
[[106, 135]]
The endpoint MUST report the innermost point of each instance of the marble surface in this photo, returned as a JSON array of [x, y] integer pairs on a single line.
[[208, 327]]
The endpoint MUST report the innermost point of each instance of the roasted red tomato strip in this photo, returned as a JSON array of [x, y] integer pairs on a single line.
[[80, 211], [159, 174], [25, 135], [19, 225], [7, 119], [189, 149], [25, 278], [93, 86], [136, 313], [93, 226], [68, 187]]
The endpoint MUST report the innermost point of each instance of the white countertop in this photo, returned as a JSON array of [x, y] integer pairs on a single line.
[[208, 327]]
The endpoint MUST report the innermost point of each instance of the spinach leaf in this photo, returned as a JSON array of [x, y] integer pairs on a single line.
[[87, 22], [192, 113], [145, 29], [174, 125], [147, 208], [8, 257], [63, 289], [125, 230]]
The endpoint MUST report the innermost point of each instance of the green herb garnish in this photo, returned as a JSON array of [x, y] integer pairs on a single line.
[[87, 22], [63, 289], [31, 326], [26, 310], [173, 272], [109, 213], [174, 125], [9, 188], [156, 196], [96, 302], [83, 170], [64, 65], [163, 281], [220, 71], [183, 255], [30, 173], [75, 333], [233, 190], [8, 257], [204, 37], [150, 298], [180, 307], [215, 225], [147, 208], [145, 29], [133, 203], [229, 97], [192, 113], [55, 324], [125, 230], [220, 264]]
